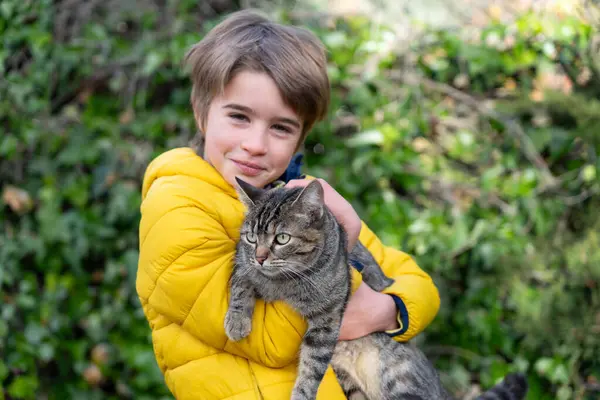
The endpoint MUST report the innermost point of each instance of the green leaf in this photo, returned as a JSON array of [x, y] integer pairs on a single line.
[[3, 371], [3, 329], [543, 366], [335, 40], [34, 333], [588, 173], [8, 145], [152, 62], [46, 352], [366, 138], [23, 387], [6, 9], [559, 374], [564, 393]]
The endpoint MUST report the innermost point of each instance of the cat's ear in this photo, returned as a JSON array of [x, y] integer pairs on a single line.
[[312, 198], [248, 194]]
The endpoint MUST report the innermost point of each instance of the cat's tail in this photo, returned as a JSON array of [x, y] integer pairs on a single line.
[[513, 387]]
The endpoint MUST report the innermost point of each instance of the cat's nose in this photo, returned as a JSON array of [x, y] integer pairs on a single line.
[[260, 259], [261, 255]]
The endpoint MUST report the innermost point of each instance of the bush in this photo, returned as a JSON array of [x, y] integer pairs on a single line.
[[480, 157], [479, 161], [89, 96]]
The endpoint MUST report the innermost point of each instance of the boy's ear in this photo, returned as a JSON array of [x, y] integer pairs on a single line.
[[249, 194], [198, 121], [198, 118]]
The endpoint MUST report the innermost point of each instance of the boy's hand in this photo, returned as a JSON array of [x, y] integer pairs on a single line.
[[340, 207], [368, 311]]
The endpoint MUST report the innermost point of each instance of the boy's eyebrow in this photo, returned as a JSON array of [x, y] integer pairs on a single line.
[[248, 110]]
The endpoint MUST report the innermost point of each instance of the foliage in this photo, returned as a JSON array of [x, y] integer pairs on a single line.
[[480, 158], [87, 97], [477, 154]]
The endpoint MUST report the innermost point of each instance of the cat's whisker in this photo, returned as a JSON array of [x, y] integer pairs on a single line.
[[285, 271], [305, 278], [287, 274]]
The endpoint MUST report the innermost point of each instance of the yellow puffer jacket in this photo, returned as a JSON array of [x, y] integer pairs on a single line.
[[188, 232]]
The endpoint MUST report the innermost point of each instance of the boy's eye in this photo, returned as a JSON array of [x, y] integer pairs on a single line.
[[282, 238], [282, 128], [239, 117]]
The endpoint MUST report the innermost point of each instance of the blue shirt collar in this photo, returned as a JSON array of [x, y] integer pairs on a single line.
[[293, 171]]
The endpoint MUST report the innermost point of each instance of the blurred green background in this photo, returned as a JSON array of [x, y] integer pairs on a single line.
[[472, 145]]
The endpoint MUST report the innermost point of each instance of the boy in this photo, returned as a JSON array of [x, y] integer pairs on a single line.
[[258, 88]]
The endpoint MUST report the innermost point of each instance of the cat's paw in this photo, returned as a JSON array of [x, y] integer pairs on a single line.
[[237, 325]]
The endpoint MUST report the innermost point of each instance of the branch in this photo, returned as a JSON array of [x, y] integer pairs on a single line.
[[480, 196], [445, 191], [469, 245], [580, 197], [591, 59], [100, 74], [512, 127], [567, 68], [592, 387]]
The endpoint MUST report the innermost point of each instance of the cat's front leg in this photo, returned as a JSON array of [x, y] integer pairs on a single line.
[[238, 320], [316, 352]]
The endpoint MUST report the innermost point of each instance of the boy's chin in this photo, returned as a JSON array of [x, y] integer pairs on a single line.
[[256, 181]]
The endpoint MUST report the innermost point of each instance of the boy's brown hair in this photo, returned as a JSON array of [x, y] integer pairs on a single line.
[[246, 40]]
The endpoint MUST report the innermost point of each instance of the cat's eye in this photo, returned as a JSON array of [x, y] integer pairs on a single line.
[[250, 237], [282, 238]]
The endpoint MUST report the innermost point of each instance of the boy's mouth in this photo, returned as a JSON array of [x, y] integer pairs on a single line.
[[247, 168]]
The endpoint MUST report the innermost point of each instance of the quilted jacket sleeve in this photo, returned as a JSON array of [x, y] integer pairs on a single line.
[[186, 258], [414, 292]]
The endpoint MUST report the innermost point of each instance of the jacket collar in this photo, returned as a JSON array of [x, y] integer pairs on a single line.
[[185, 161]]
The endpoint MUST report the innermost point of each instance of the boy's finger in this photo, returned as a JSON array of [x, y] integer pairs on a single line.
[[297, 183]]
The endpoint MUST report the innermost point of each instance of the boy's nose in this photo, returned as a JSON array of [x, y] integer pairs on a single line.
[[256, 142]]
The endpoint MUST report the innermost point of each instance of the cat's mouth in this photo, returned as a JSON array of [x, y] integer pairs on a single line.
[[267, 270]]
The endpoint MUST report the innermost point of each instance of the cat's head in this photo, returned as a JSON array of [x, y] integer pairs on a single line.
[[283, 228]]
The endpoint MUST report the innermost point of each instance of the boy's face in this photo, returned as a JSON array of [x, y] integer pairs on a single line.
[[250, 132]]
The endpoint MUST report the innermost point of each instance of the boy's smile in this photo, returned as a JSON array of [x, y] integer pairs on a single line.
[[250, 132]]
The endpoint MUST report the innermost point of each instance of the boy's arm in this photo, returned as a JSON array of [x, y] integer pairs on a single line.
[[413, 291], [186, 258]]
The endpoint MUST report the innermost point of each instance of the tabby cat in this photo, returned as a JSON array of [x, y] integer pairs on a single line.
[[293, 249]]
